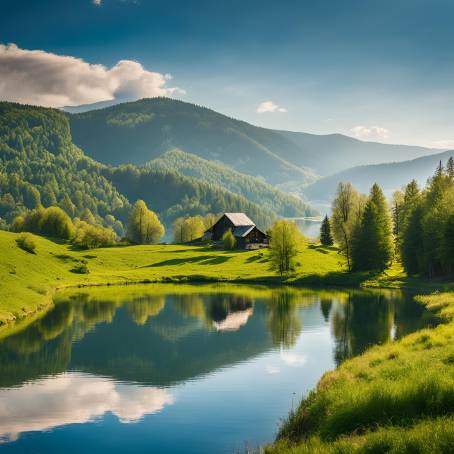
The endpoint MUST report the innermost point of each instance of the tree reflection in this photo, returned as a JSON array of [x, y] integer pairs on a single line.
[[364, 320], [325, 307], [283, 323], [145, 307]]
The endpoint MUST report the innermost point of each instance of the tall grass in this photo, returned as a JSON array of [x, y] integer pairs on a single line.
[[393, 386]]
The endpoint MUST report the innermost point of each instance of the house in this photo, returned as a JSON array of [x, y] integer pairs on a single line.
[[246, 233]]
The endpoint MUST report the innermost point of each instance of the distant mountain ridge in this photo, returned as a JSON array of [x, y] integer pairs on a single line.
[[390, 176], [140, 131]]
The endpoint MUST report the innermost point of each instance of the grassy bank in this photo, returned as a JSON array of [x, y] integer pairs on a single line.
[[394, 398], [28, 281]]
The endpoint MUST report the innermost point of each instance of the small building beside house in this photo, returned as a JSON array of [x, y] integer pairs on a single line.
[[246, 233]]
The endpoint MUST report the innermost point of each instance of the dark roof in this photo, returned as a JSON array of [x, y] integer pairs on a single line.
[[242, 230], [239, 219]]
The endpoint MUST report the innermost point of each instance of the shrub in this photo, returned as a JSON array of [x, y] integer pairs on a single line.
[[80, 269], [229, 240], [27, 243], [52, 221], [92, 236]]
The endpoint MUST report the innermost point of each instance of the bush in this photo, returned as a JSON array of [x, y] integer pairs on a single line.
[[229, 240], [91, 236], [52, 221], [80, 269], [27, 243]]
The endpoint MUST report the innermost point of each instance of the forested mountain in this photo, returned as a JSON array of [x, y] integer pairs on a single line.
[[173, 195], [216, 173], [137, 132], [390, 176], [39, 164]]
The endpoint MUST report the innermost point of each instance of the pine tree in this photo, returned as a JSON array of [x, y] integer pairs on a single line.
[[372, 247], [412, 249], [448, 245], [440, 170], [450, 167], [326, 238]]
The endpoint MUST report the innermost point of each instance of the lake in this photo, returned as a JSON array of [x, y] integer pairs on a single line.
[[181, 368]]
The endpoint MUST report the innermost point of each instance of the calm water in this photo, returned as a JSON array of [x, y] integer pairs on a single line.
[[181, 369]]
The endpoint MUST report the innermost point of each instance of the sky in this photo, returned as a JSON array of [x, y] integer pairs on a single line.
[[372, 69]]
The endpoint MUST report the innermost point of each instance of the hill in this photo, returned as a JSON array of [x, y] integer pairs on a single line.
[[136, 132], [216, 173], [390, 176], [139, 131], [39, 164]]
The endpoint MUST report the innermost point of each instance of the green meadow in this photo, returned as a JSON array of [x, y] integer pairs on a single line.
[[29, 280]]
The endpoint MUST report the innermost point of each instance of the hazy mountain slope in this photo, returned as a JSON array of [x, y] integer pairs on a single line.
[[139, 131], [216, 173], [335, 152], [389, 176]]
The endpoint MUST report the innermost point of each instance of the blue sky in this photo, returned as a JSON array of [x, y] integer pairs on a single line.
[[375, 69]]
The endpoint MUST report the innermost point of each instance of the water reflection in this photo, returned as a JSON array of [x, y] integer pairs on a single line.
[[126, 352]]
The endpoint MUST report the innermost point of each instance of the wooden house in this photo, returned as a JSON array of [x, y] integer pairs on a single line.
[[246, 233]]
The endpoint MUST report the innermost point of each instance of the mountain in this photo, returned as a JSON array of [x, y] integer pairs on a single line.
[[136, 132], [39, 164], [390, 176], [331, 153], [216, 173]]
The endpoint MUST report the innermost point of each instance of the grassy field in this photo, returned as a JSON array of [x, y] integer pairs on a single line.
[[28, 281], [396, 398]]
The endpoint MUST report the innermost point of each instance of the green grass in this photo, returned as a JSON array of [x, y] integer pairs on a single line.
[[28, 281], [386, 400]]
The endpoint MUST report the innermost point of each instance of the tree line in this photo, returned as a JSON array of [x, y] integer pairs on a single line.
[[416, 228], [144, 226]]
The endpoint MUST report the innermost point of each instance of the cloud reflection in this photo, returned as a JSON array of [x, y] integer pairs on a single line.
[[74, 398], [292, 359]]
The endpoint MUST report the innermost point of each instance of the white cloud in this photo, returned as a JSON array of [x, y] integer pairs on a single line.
[[269, 106], [43, 78], [97, 2], [370, 132], [74, 398], [443, 144]]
